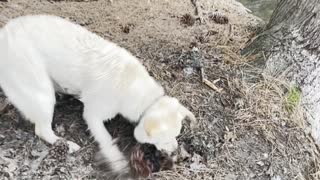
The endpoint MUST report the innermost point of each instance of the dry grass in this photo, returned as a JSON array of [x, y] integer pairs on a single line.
[[265, 110]]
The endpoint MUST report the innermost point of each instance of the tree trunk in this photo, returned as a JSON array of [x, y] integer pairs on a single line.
[[290, 45]]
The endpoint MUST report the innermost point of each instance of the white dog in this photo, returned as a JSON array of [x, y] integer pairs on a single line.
[[42, 54]]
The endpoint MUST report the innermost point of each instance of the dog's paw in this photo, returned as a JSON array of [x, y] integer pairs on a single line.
[[73, 147], [120, 166]]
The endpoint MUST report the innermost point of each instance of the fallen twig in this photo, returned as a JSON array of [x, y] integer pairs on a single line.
[[206, 81], [212, 86], [209, 83]]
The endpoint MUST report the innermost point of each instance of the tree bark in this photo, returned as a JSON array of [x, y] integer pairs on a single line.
[[290, 48]]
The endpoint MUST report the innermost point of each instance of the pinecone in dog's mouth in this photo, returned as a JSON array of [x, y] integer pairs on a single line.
[[146, 159]]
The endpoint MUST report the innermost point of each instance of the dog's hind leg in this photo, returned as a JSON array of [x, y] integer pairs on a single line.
[[35, 100], [29, 88]]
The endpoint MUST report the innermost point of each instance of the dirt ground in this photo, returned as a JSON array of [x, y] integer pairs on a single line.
[[244, 131]]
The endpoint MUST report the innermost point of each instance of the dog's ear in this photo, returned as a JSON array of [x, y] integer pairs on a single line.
[[186, 113], [153, 127]]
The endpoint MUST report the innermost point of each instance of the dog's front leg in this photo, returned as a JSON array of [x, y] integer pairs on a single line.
[[108, 148]]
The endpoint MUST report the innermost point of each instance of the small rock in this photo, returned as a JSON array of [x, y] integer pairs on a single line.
[[276, 178], [35, 153], [229, 136], [196, 158], [260, 163], [252, 175], [186, 172], [230, 177], [197, 166], [187, 71], [239, 103], [265, 155], [60, 130], [195, 49]]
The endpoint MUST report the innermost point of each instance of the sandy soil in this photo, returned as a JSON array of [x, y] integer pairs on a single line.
[[243, 132]]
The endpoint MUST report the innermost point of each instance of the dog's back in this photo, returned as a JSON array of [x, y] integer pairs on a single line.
[[44, 43], [71, 55]]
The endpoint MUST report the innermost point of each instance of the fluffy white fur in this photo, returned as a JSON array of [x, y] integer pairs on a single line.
[[42, 54]]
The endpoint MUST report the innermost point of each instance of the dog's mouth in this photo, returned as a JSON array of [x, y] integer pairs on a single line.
[[146, 159]]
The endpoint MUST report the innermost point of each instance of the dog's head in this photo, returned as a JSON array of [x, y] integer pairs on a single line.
[[162, 123]]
